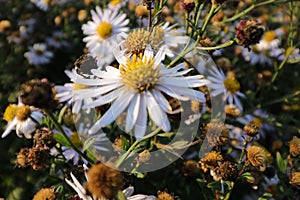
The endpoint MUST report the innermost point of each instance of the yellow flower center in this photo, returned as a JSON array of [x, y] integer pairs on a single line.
[[140, 75], [78, 86], [231, 84], [74, 137], [38, 52], [104, 30], [115, 2], [270, 36], [255, 49], [23, 113], [10, 112]]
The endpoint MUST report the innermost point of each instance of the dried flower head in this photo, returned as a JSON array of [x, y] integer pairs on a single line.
[[251, 129], [223, 63], [295, 178], [188, 5], [45, 193], [295, 146], [191, 168], [22, 158], [217, 133], [232, 110], [144, 156], [44, 137], [225, 171], [248, 32], [38, 93], [38, 157], [210, 161], [141, 11], [104, 182], [164, 196], [257, 156]]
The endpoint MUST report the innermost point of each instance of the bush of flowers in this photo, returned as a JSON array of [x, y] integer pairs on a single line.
[[150, 99]]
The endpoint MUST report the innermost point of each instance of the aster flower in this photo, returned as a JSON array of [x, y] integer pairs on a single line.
[[163, 39], [26, 27], [66, 92], [23, 118], [102, 31], [83, 194], [38, 54], [78, 138], [137, 86], [281, 54], [42, 4], [57, 40], [220, 84]]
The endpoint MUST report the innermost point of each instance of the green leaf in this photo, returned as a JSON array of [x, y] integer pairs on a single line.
[[60, 138], [265, 196], [168, 134], [281, 163], [120, 196], [215, 185], [125, 144]]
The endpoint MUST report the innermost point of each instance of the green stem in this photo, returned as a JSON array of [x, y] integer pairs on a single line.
[[249, 9], [132, 147], [227, 44], [61, 130], [208, 17]]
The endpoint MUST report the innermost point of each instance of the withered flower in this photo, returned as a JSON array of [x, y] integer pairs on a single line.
[[257, 157], [38, 93], [295, 178], [294, 145], [188, 5], [164, 196], [104, 182], [44, 137], [217, 133], [144, 156], [191, 168], [22, 158], [225, 171], [38, 157], [210, 161], [248, 32], [45, 193]]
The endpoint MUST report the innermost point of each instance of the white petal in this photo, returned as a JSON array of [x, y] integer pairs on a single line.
[[132, 113], [141, 122]]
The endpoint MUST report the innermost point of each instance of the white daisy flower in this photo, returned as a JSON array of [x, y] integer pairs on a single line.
[[82, 193], [42, 4], [220, 84], [256, 56], [137, 86], [102, 31], [66, 93], [26, 27], [57, 40], [22, 118], [269, 41], [116, 4], [38, 54]]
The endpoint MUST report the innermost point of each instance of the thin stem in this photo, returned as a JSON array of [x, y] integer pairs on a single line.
[[132, 147], [282, 64], [249, 9], [61, 130], [227, 44], [208, 17]]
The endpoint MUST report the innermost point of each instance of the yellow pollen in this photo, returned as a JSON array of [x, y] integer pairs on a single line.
[[104, 30], [78, 86], [47, 1], [10, 112], [140, 75], [74, 137], [115, 2], [23, 113], [231, 84], [270, 36]]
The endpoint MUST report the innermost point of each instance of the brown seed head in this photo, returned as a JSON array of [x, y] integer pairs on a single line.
[[191, 168], [44, 137], [210, 161], [104, 182], [216, 133], [295, 178], [164, 196], [45, 194], [226, 171], [22, 158], [257, 156], [294, 145], [144, 156]]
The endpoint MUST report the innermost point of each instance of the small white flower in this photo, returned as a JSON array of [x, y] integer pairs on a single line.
[[38, 54], [221, 84], [102, 31], [138, 86], [66, 93], [42, 4], [57, 40], [22, 118]]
